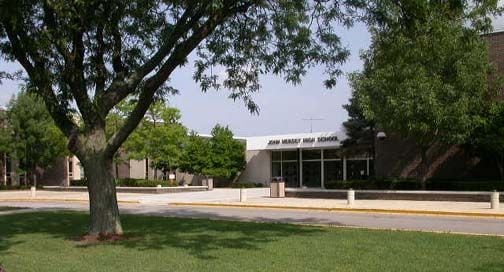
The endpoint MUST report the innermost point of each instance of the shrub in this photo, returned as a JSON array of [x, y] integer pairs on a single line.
[[15, 187], [246, 185], [465, 185], [129, 182], [374, 184], [78, 182]]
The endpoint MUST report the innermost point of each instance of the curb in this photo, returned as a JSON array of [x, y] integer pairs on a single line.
[[61, 200], [356, 210]]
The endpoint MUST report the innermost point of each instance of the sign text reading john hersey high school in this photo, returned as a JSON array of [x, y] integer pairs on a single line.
[[303, 140]]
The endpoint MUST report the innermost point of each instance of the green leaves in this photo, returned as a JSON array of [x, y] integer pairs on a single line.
[[160, 137], [218, 156], [426, 73], [29, 134]]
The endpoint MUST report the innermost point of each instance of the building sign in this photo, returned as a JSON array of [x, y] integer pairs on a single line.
[[303, 140]]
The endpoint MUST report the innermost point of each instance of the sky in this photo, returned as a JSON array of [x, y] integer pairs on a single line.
[[282, 106]]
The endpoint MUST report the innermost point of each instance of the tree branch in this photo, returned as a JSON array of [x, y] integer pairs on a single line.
[[121, 88], [39, 77], [177, 57]]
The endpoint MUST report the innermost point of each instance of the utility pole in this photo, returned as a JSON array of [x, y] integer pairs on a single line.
[[311, 119]]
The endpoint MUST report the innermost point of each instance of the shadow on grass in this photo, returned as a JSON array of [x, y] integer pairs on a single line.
[[201, 238]]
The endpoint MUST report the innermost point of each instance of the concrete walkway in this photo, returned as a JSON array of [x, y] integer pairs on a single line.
[[445, 224], [259, 198]]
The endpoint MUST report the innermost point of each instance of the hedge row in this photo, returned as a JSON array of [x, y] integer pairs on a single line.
[[129, 182], [18, 187], [246, 185], [413, 184]]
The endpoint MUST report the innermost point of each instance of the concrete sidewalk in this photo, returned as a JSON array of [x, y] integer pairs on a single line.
[[259, 198], [392, 206]]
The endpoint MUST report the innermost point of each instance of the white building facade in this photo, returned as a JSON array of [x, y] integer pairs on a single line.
[[303, 160]]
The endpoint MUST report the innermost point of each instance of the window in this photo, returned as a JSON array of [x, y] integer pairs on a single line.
[[312, 154], [70, 167], [356, 169], [286, 164]]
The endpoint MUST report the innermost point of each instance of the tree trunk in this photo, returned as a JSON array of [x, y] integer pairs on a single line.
[[147, 168], [103, 208], [499, 160], [423, 169], [116, 170]]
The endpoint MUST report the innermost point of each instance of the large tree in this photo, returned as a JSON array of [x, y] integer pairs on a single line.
[[426, 74], [30, 135], [85, 57], [359, 129]]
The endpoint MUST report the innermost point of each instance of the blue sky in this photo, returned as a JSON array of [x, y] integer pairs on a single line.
[[283, 106]]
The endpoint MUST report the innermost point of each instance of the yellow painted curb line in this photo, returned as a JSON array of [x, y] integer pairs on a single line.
[[60, 200], [359, 210]]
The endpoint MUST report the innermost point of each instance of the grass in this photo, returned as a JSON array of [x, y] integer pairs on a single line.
[[44, 242]]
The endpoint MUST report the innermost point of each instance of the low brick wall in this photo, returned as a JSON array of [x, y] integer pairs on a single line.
[[139, 190], [394, 195]]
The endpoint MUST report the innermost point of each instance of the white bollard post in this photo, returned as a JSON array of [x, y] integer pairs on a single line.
[[494, 200], [350, 197], [33, 190], [243, 195]]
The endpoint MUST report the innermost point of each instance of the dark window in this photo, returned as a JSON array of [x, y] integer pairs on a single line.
[[276, 170], [332, 154], [276, 156], [312, 174], [311, 154], [333, 171], [356, 169], [289, 156]]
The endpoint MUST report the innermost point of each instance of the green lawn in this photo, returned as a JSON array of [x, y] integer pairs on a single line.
[[45, 242]]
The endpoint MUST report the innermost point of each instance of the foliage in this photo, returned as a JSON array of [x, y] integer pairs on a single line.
[[426, 73], [413, 184], [488, 138], [196, 155], [131, 182], [359, 129], [227, 154], [160, 138], [30, 135], [246, 185], [219, 156]]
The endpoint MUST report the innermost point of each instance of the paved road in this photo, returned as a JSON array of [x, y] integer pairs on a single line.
[[374, 220]]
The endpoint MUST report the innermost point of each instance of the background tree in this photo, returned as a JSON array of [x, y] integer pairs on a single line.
[[159, 138], [425, 76], [196, 157], [33, 138], [85, 57], [219, 156], [360, 131], [227, 155], [488, 138]]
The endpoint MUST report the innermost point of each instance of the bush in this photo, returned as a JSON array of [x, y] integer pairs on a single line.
[[16, 187], [465, 185], [130, 182], [246, 185], [374, 184], [78, 182]]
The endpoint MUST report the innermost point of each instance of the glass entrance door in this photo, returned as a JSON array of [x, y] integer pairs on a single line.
[[290, 173]]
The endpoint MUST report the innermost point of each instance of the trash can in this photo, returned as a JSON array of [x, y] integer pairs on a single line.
[[277, 187]]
